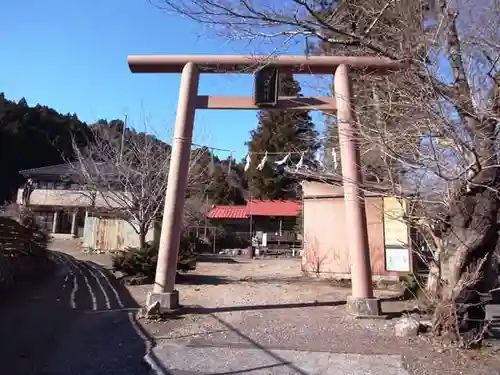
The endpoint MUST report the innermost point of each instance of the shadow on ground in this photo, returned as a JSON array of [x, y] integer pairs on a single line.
[[401, 313], [193, 279], [27, 285], [208, 258], [213, 310], [277, 279], [80, 321], [290, 367]]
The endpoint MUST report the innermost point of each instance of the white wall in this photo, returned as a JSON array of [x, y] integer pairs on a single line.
[[73, 198]]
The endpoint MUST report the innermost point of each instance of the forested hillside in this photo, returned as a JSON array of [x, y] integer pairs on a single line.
[[32, 137]]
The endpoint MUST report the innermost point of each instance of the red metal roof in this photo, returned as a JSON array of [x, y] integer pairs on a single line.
[[228, 212], [256, 208], [273, 208]]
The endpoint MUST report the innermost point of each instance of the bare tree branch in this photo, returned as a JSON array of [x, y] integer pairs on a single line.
[[431, 128], [131, 181]]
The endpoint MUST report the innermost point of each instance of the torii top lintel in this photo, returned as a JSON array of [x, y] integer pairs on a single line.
[[248, 64]]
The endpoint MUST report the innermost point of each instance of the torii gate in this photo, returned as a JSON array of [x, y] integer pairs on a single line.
[[362, 301]]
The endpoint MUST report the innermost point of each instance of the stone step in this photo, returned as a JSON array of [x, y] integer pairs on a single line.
[[493, 315], [179, 359]]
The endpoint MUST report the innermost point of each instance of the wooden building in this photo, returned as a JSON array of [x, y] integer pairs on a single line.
[[276, 219], [325, 246]]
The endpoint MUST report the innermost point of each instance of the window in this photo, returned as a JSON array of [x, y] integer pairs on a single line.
[[45, 220], [51, 185], [61, 186]]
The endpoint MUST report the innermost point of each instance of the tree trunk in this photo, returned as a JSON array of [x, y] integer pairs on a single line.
[[433, 281], [470, 241], [142, 238], [472, 235]]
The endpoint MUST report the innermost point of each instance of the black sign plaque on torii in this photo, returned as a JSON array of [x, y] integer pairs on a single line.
[[266, 86]]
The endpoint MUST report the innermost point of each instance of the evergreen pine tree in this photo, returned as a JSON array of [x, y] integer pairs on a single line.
[[280, 132], [224, 186]]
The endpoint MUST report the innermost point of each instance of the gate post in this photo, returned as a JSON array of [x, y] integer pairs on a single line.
[[361, 302], [166, 269]]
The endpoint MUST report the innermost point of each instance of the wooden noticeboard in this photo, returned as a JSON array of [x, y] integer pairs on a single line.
[[396, 234]]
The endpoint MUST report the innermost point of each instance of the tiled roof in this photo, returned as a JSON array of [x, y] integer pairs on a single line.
[[52, 170], [69, 169], [228, 212], [273, 208]]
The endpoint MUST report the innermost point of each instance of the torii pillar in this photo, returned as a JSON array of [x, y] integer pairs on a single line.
[[362, 301]]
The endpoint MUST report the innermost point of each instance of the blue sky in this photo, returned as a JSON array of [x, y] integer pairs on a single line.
[[72, 56]]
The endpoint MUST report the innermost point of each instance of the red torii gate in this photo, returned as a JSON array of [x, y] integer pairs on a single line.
[[362, 301]]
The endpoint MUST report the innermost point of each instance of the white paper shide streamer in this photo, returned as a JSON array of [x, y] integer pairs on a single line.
[[318, 159], [262, 162], [286, 160], [300, 163], [283, 161], [334, 157], [248, 160]]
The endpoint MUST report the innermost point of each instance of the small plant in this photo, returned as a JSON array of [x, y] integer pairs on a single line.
[[139, 264], [39, 237], [412, 288], [314, 257]]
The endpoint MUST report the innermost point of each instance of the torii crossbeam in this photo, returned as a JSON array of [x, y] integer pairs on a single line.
[[362, 301]]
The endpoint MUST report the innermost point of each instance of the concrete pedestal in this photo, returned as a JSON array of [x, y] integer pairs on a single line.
[[250, 252], [168, 301], [363, 307]]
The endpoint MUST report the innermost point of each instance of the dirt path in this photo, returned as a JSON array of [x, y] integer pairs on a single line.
[[79, 322]]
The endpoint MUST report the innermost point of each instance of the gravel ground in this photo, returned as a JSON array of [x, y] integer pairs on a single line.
[[267, 304], [263, 304]]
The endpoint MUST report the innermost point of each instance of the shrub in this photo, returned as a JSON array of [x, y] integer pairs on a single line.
[[39, 237], [139, 264], [22, 250], [412, 287], [190, 247]]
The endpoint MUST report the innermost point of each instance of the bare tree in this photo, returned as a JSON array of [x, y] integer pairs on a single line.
[[126, 173], [432, 126]]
